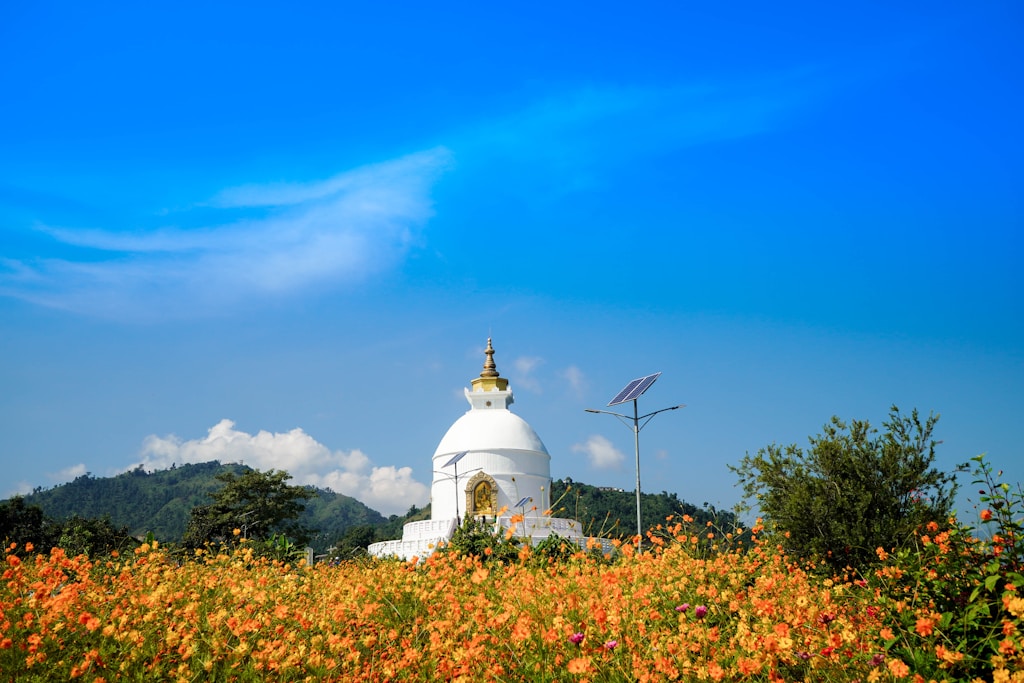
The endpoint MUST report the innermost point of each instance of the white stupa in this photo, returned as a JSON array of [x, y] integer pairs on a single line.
[[491, 466]]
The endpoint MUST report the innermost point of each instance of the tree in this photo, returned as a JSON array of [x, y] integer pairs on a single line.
[[853, 490], [93, 536], [354, 542], [258, 504], [21, 523]]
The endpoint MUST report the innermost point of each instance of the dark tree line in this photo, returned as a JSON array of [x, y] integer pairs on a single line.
[[27, 526], [611, 513]]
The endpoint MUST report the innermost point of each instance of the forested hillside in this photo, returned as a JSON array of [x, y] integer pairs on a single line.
[[160, 502], [612, 512]]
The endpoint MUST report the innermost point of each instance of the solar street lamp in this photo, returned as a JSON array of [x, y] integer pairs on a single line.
[[454, 461], [632, 392]]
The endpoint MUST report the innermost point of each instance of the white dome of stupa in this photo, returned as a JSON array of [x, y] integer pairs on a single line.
[[488, 430]]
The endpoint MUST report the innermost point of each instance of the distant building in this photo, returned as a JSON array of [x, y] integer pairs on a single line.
[[489, 460]]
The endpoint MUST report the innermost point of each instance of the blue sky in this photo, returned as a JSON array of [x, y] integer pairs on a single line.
[[284, 236]]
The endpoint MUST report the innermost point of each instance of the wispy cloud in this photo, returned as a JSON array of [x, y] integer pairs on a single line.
[[524, 367], [576, 380], [68, 473], [578, 131], [307, 234], [387, 489], [58, 477], [600, 452]]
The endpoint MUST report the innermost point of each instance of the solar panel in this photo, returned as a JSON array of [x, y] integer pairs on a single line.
[[634, 389], [455, 458]]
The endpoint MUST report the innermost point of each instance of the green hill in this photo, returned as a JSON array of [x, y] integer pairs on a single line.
[[611, 513], [160, 502]]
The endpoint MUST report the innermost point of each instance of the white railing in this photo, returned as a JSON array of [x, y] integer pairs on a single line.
[[428, 529], [419, 539], [422, 538], [543, 526]]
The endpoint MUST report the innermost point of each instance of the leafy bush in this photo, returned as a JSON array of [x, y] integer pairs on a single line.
[[853, 490], [474, 538], [950, 604]]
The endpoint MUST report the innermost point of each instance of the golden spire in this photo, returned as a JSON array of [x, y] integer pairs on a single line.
[[489, 379], [490, 369]]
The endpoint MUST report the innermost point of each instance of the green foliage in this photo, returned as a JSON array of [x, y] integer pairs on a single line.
[[478, 539], [392, 528], [94, 536], [24, 524], [257, 504], [21, 523], [947, 598], [354, 542], [853, 490], [1004, 517], [553, 549], [278, 547], [611, 513]]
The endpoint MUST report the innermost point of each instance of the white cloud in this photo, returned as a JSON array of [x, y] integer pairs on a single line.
[[574, 132], [67, 474], [601, 453], [20, 488], [524, 367], [576, 379], [387, 489], [328, 232], [23, 488]]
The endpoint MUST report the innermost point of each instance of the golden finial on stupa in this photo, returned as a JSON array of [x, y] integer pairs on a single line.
[[489, 379], [490, 369]]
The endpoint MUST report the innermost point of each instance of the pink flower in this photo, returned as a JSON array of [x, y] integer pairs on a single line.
[[611, 644], [683, 607], [576, 638], [701, 611]]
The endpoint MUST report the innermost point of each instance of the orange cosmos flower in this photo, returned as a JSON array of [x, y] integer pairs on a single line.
[[521, 630], [579, 665], [898, 668], [986, 515]]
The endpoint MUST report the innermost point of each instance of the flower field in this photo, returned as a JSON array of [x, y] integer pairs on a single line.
[[691, 608]]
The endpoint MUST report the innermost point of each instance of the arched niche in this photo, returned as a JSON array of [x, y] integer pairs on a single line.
[[482, 495]]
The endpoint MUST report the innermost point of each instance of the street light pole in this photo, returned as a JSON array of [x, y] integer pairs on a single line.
[[638, 423], [636, 451]]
